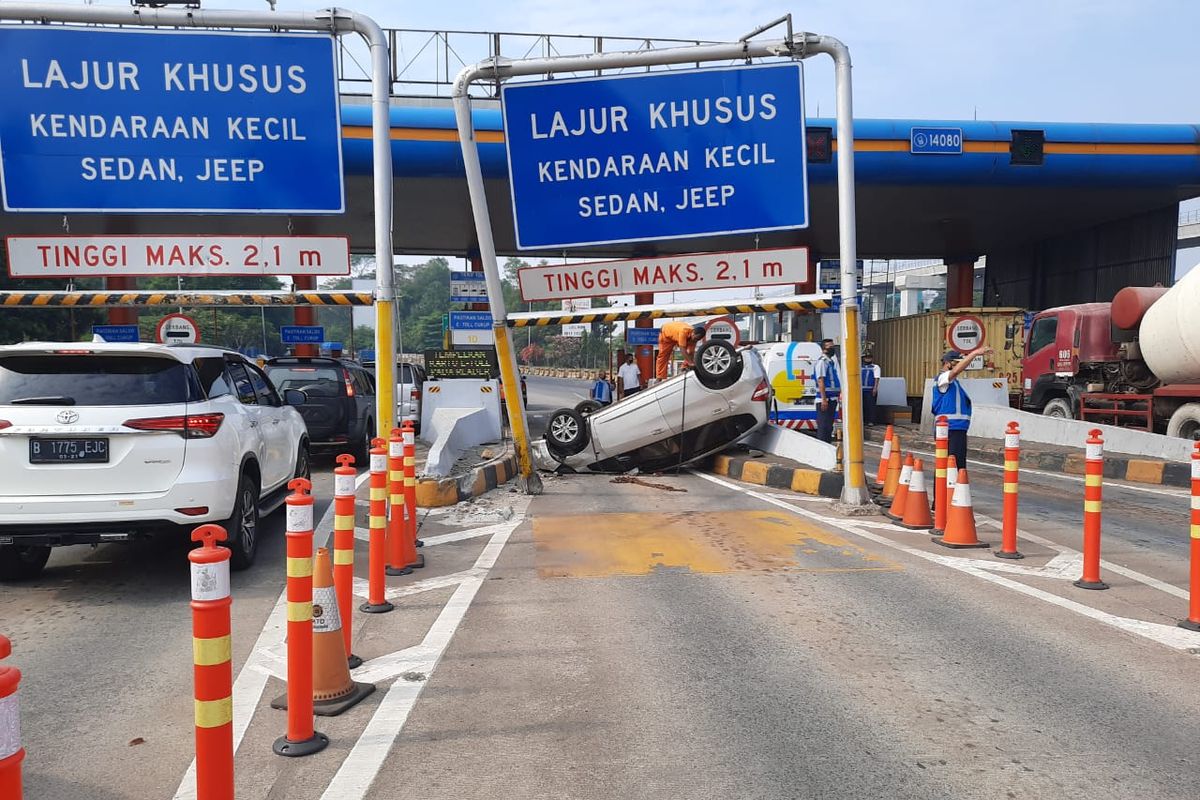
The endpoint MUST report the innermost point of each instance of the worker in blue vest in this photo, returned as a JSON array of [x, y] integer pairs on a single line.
[[829, 390], [870, 387], [950, 400], [602, 389]]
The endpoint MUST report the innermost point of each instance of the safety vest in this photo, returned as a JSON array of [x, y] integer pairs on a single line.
[[868, 378], [827, 369], [954, 404], [602, 392]]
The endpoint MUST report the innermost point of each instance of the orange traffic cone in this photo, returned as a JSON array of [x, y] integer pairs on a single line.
[[896, 511], [916, 507], [333, 690], [885, 457], [892, 483], [960, 518]]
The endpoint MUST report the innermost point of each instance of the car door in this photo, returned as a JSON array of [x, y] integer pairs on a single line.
[[686, 404], [632, 423], [279, 439], [364, 398], [253, 432]]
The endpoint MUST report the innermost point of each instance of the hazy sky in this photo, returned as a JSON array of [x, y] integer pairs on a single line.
[[1044, 60]]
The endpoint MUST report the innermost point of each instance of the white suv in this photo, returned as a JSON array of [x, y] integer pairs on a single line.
[[106, 442]]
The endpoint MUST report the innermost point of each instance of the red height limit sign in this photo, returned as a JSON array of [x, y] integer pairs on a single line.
[[667, 274]]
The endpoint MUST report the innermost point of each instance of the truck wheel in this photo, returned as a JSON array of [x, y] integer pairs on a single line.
[[1185, 422], [22, 561], [1058, 407], [566, 433], [718, 365]]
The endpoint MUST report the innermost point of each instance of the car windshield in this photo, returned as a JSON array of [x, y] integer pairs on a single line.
[[314, 381], [100, 379]]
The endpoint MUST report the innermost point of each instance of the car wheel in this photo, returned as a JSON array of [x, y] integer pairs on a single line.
[[1058, 407], [22, 561], [588, 407], [303, 462], [718, 365], [242, 525], [566, 432], [362, 449]]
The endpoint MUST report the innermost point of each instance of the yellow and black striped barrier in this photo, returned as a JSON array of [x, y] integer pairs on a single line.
[[545, 318], [100, 299]]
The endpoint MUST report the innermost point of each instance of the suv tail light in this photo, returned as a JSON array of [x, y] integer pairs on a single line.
[[762, 392], [415, 394], [349, 384], [194, 426]]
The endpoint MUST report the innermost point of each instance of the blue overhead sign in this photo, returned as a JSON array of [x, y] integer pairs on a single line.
[[470, 320], [638, 336], [663, 155], [114, 119], [468, 287], [301, 334], [116, 333], [935, 141]]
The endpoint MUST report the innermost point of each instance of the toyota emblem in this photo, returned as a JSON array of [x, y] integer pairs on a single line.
[[67, 417]]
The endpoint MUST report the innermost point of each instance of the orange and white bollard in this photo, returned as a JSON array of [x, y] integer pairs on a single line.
[[377, 540], [941, 451], [301, 739], [1093, 483], [1192, 623], [410, 491], [212, 666], [11, 751], [884, 457], [1012, 463], [398, 558], [343, 547]]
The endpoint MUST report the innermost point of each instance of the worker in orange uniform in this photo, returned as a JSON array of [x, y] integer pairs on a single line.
[[676, 334]]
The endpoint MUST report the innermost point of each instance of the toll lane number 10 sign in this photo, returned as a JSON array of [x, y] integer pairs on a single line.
[[664, 155]]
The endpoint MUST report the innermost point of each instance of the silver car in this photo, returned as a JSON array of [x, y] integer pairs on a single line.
[[682, 419]]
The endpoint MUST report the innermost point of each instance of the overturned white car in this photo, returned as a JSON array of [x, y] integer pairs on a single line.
[[693, 415]]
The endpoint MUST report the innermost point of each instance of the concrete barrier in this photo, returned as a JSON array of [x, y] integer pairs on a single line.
[[795, 446], [461, 393], [990, 421], [455, 430]]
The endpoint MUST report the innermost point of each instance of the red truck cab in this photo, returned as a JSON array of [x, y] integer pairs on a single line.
[[1062, 347]]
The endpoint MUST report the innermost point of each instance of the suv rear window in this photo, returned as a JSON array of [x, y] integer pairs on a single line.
[[315, 381], [94, 380]]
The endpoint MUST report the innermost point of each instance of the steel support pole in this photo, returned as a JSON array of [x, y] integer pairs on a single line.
[[334, 21], [497, 69]]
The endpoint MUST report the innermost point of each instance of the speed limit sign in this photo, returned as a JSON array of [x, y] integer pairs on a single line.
[[966, 333]]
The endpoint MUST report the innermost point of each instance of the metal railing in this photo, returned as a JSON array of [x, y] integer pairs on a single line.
[[425, 62]]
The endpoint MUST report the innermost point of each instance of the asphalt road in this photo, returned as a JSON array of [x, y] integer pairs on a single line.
[[688, 638]]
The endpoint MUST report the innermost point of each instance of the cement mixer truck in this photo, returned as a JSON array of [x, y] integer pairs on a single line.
[[1133, 362]]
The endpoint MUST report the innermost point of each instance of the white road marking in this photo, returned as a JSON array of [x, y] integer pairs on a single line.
[[1168, 635], [252, 679], [1108, 483], [356, 774]]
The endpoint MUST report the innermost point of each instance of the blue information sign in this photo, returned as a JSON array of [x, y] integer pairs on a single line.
[[301, 334], [935, 141], [664, 155], [470, 320], [165, 121], [116, 333], [468, 287], [637, 336]]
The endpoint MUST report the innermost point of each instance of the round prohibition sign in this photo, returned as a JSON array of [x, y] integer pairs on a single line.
[[966, 333], [177, 329]]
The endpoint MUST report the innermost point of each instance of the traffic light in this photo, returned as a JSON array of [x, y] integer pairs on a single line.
[[819, 142]]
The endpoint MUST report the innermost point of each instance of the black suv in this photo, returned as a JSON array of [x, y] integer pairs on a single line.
[[340, 411]]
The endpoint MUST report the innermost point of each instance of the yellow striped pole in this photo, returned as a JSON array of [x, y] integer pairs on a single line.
[[212, 670], [1192, 622], [1093, 483], [1012, 459], [377, 542], [300, 739], [343, 547]]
